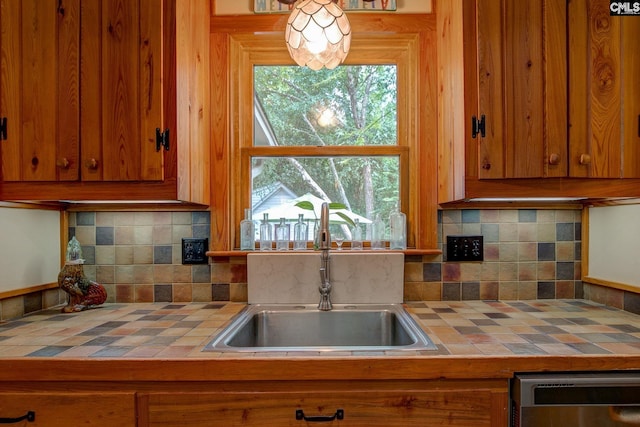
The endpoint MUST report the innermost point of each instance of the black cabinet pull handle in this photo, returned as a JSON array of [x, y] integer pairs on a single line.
[[339, 415], [3, 128], [29, 416]]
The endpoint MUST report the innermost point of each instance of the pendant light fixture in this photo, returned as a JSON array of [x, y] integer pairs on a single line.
[[318, 34]]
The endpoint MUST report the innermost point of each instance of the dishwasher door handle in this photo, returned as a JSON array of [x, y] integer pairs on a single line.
[[625, 414]]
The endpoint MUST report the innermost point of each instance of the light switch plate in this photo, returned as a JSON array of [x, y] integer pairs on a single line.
[[465, 248], [194, 251]]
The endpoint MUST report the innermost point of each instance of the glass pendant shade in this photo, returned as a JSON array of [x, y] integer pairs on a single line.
[[318, 34]]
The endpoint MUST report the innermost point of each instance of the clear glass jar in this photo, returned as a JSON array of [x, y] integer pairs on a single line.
[[377, 234], [247, 232], [397, 230], [356, 236], [282, 235], [266, 234], [300, 235]]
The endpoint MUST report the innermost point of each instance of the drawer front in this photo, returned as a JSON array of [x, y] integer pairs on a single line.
[[472, 408], [70, 409]]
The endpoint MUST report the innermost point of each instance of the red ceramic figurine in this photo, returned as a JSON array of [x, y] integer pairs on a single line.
[[83, 293]]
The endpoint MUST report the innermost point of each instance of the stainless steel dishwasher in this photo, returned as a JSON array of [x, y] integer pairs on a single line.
[[576, 399]]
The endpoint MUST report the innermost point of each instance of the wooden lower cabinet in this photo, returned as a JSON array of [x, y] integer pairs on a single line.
[[371, 403], [65, 409], [432, 403]]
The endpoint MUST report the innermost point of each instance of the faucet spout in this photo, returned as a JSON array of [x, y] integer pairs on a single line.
[[325, 245], [325, 237]]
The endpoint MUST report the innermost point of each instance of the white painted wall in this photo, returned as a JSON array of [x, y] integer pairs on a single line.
[[29, 247], [236, 7], [614, 244]]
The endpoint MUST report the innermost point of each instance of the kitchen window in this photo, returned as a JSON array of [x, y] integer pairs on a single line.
[[328, 135], [405, 152]]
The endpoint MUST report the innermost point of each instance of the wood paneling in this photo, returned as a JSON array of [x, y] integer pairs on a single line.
[[451, 106], [603, 100], [68, 95], [39, 96], [91, 89], [578, 86], [555, 73], [490, 71], [447, 404], [604, 87], [523, 84], [39, 89], [630, 90], [142, 65], [130, 71], [264, 371], [521, 78], [61, 409], [572, 57], [10, 96]]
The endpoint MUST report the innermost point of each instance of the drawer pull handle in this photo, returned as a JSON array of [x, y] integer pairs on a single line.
[[29, 416], [339, 415]]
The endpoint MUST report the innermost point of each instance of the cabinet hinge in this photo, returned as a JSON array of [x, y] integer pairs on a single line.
[[478, 126], [162, 139], [3, 129]]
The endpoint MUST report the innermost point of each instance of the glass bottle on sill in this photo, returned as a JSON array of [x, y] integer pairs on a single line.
[[356, 236], [377, 234], [282, 235], [300, 234], [266, 234], [397, 230], [247, 232]]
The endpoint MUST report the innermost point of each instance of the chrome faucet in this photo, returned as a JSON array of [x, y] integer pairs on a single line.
[[324, 246]]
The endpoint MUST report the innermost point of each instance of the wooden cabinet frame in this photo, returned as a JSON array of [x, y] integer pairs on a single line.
[[182, 99], [241, 40], [459, 178]]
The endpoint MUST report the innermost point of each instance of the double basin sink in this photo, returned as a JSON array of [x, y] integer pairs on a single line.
[[289, 328]]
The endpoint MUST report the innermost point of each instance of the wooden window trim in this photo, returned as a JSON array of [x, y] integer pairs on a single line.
[[406, 40]]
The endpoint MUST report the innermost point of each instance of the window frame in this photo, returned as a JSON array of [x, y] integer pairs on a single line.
[[407, 46]]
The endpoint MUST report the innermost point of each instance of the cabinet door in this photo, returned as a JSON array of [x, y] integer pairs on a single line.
[[604, 96], [470, 408], [39, 94], [522, 70], [631, 98], [121, 93], [55, 409]]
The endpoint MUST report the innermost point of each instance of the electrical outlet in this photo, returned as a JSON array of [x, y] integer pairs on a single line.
[[465, 248], [194, 251]]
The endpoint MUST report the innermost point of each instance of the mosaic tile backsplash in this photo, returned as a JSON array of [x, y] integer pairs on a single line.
[[528, 254], [137, 256]]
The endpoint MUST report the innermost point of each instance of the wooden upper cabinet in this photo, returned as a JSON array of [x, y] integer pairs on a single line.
[[121, 90], [554, 82], [85, 87], [604, 108], [519, 110], [39, 96]]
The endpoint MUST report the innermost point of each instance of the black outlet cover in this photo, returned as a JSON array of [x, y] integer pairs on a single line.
[[465, 248], [194, 251]]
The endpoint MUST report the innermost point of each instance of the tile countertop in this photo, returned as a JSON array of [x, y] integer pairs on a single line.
[[178, 331]]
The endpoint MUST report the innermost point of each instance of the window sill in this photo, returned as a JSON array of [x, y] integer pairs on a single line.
[[239, 253]]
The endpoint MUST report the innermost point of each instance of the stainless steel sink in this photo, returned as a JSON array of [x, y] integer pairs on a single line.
[[286, 328]]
